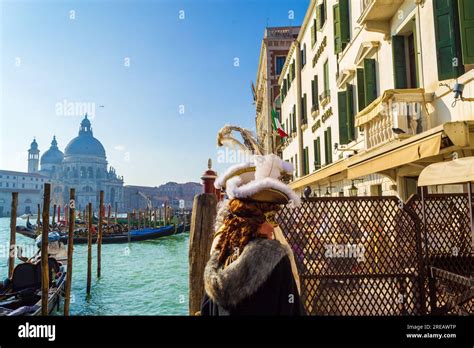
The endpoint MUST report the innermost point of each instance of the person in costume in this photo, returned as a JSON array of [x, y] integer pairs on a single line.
[[251, 270]]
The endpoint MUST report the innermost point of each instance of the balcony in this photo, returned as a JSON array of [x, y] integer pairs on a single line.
[[376, 14], [398, 114]]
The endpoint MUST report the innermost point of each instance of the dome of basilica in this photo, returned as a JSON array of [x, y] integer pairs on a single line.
[[85, 144]]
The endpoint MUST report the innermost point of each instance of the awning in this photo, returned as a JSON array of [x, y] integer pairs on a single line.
[[324, 173], [457, 171], [398, 156]]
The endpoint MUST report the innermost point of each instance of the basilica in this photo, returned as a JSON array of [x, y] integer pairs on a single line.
[[83, 166]]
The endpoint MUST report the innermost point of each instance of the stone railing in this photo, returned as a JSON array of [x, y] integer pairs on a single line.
[[398, 114]]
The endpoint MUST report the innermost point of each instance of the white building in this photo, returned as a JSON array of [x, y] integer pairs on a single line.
[[367, 93]]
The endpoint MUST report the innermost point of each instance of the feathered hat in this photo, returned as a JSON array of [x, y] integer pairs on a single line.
[[257, 179]]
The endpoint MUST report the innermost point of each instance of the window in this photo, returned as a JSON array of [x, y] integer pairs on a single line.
[[342, 34], [346, 115], [328, 145], [370, 81], [321, 14], [13, 185], [296, 165], [293, 75], [305, 161], [452, 44], [280, 62], [326, 78], [314, 31], [22, 185], [405, 60], [304, 109], [303, 56], [314, 94], [317, 153]]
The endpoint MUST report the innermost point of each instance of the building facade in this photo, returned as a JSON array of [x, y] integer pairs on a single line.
[[82, 166], [139, 197], [371, 94], [274, 49]]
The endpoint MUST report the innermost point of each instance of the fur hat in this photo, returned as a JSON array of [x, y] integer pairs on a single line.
[[259, 180]]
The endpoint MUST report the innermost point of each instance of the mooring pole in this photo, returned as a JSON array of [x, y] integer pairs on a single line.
[[11, 255], [129, 227], [44, 252], [70, 249], [54, 215], [99, 237], [89, 249]]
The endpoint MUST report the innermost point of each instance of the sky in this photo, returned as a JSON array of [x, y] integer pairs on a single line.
[[159, 78]]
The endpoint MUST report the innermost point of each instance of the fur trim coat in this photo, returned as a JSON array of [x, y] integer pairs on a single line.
[[259, 282]]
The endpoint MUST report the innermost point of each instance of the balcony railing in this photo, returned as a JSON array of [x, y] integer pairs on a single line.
[[379, 10], [396, 115]]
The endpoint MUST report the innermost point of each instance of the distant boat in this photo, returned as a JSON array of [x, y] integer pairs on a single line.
[[31, 216]]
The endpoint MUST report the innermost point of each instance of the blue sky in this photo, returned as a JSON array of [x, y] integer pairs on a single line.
[[162, 112]]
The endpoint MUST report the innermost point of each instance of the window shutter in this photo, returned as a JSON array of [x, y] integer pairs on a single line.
[[318, 17], [317, 152], [314, 92], [329, 142], [306, 161], [399, 61], [350, 112], [294, 119], [343, 131], [447, 45], [360, 89], [466, 18], [326, 155], [344, 18], [337, 29], [370, 81]]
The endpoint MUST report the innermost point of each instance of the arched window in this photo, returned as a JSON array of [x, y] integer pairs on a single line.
[[83, 172]]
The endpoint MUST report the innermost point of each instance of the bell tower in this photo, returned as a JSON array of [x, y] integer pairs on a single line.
[[33, 157]]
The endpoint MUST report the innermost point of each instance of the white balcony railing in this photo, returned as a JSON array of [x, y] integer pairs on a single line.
[[398, 114]]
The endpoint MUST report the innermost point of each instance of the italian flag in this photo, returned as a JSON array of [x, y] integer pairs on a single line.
[[277, 125]]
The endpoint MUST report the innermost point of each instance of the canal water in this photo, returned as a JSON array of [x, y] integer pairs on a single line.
[[140, 278]]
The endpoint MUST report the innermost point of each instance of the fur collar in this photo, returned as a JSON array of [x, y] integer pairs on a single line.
[[243, 277]]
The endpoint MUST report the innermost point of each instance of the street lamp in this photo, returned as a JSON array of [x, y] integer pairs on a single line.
[[353, 190], [307, 192]]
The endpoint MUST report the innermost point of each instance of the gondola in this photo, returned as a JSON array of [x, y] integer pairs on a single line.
[[116, 238], [21, 295]]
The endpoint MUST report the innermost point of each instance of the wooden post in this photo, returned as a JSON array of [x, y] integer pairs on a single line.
[[99, 237], [89, 250], [109, 207], [200, 241], [70, 250], [11, 255], [59, 214], [44, 251], [54, 214], [129, 227]]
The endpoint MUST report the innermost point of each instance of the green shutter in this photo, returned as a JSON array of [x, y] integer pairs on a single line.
[[447, 39], [318, 17], [337, 29], [466, 19], [329, 144], [342, 104], [360, 89], [399, 62], [350, 112], [326, 76], [370, 81], [326, 146], [314, 92], [317, 152], [344, 21], [307, 160]]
